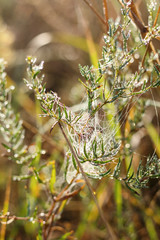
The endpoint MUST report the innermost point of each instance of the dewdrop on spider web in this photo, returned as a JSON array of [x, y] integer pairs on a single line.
[[94, 145]]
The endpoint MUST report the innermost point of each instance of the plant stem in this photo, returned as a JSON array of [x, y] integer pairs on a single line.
[[107, 225]]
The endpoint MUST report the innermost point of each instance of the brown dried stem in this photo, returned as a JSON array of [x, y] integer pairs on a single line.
[[94, 10], [105, 9]]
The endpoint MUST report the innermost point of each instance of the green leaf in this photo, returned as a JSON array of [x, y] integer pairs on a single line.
[[37, 175], [117, 169], [129, 167], [59, 112], [44, 110], [131, 189], [85, 151], [65, 111], [74, 162], [105, 173], [6, 146]]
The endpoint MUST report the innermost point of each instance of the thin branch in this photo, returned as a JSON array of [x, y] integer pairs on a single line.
[[97, 14], [108, 227], [105, 9]]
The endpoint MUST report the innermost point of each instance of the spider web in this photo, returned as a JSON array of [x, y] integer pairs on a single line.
[[104, 126]]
